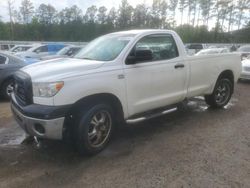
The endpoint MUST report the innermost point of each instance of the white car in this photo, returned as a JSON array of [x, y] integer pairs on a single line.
[[128, 76], [244, 51], [68, 51], [192, 49], [41, 50], [213, 51], [245, 74], [20, 48]]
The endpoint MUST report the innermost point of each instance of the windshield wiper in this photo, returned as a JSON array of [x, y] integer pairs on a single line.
[[87, 58]]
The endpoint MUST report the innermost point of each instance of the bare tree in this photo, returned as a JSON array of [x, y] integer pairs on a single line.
[[140, 15], [102, 14], [10, 10], [26, 11], [172, 7], [46, 14], [182, 6], [231, 15], [242, 6], [112, 17], [191, 9], [206, 9]]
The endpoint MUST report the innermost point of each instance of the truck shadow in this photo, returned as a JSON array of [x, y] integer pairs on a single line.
[[57, 159], [241, 81], [127, 138]]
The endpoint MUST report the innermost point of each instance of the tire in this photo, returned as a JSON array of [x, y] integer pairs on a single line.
[[6, 89], [221, 95], [91, 131]]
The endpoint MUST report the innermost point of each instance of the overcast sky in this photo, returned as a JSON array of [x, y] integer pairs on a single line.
[[60, 4]]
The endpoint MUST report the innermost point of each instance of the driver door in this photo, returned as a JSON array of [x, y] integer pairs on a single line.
[[159, 82]]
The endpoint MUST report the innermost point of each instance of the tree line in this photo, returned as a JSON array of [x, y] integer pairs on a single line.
[[72, 24]]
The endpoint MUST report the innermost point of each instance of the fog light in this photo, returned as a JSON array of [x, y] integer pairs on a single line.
[[39, 128]]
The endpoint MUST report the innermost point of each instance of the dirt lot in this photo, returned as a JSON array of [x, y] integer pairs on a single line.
[[198, 147]]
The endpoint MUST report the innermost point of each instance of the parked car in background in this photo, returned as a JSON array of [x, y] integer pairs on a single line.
[[213, 51], [245, 74], [67, 51], [212, 47], [244, 51], [39, 51], [128, 76], [20, 48], [6, 46], [194, 48], [9, 64]]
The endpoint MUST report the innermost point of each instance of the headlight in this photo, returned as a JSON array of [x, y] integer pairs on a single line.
[[46, 89]]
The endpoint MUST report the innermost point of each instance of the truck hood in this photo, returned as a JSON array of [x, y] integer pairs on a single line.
[[58, 69]]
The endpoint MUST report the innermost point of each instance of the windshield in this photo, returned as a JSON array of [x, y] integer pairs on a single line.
[[20, 48], [33, 48], [63, 51], [105, 48]]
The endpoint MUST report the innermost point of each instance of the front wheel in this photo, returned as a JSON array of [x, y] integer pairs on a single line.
[[93, 128], [221, 95]]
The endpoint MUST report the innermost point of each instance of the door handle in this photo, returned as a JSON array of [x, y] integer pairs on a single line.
[[179, 65]]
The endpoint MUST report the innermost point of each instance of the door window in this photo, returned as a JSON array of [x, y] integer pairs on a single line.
[[163, 46], [41, 49]]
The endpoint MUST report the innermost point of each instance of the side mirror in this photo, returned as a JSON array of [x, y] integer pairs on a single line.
[[140, 56]]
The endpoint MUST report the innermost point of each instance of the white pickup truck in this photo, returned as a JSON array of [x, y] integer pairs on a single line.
[[127, 76]]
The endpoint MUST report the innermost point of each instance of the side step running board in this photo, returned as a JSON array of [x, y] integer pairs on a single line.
[[140, 119]]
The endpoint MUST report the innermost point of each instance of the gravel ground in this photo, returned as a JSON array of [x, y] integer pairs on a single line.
[[197, 147]]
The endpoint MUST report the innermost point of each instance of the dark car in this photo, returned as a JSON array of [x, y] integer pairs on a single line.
[[67, 51], [9, 64]]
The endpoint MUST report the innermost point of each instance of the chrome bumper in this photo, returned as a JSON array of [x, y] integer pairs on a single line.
[[51, 129]]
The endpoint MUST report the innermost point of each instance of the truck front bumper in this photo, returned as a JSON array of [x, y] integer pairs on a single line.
[[40, 120]]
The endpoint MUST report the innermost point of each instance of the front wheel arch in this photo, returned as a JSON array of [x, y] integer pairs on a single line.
[[88, 101], [222, 93]]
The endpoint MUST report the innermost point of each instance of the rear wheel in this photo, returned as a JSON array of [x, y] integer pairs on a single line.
[[7, 88], [221, 95], [93, 128]]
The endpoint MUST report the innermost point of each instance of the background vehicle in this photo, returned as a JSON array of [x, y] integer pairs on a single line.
[[213, 51], [6, 46], [128, 76], [245, 74], [9, 64], [20, 48], [67, 51], [194, 48], [244, 51], [40, 51]]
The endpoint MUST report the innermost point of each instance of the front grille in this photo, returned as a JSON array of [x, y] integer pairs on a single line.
[[23, 88], [247, 69]]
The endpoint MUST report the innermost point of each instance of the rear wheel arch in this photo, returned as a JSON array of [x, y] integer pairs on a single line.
[[223, 89], [228, 74]]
